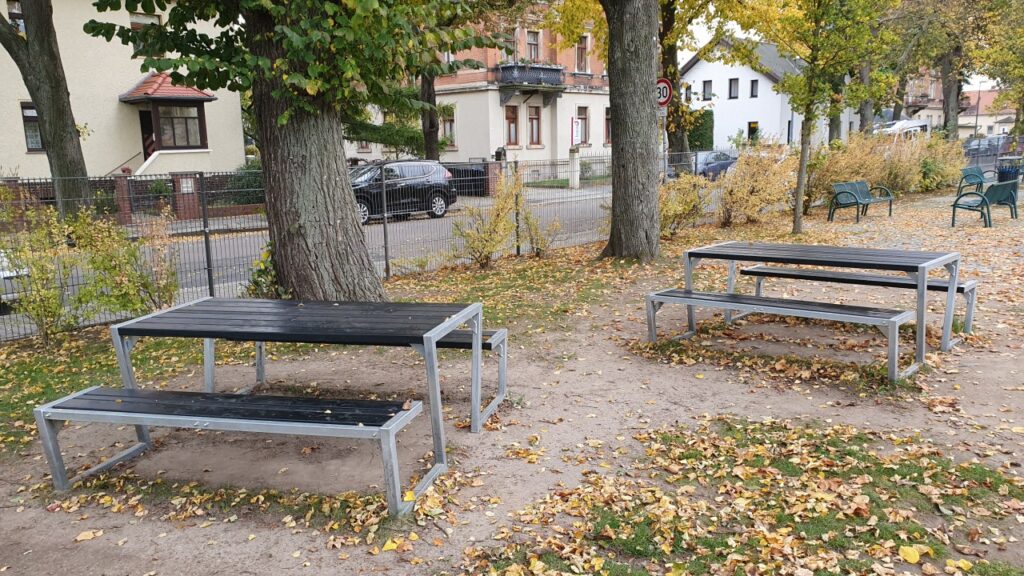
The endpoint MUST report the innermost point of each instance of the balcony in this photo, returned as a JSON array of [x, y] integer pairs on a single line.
[[531, 74]]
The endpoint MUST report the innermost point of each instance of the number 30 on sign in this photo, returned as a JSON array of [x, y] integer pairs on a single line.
[[663, 91]]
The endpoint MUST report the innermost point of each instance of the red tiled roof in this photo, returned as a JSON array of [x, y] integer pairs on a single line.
[[987, 99], [158, 86]]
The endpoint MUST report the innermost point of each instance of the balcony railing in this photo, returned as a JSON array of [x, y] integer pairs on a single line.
[[532, 74]]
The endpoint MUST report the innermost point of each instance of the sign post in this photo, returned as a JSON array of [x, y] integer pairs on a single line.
[[663, 94]]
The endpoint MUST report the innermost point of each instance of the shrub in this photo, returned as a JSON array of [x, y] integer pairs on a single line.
[[263, 282], [484, 232], [682, 202], [538, 237], [244, 187], [702, 134], [763, 176]]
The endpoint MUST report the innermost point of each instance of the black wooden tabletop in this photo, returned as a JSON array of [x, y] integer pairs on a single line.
[[366, 323], [812, 255]]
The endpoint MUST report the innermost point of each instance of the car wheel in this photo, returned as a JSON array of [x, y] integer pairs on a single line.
[[363, 210], [438, 205]]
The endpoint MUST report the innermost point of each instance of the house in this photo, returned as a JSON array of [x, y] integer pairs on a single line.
[[130, 119], [982, 117], [529, 103], [923, 100], [743, 101]]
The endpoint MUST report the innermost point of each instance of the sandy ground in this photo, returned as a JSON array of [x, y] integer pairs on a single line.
[[580, 390]]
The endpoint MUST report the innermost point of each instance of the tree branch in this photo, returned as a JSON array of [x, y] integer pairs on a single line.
[[14, 43]]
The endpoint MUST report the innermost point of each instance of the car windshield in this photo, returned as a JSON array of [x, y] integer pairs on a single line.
[[361, 174]]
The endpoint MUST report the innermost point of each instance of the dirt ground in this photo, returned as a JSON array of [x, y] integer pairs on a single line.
[[580, 391]]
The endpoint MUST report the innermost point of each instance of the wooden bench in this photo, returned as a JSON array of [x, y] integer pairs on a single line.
[[968, 287], [292, 416], [888, 321], [857, 195]]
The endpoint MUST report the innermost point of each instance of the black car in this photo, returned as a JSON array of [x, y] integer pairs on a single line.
[[410, 185]]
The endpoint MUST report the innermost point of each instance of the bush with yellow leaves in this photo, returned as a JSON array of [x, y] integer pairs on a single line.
[[484, 232], [763, 177], [682, 201]]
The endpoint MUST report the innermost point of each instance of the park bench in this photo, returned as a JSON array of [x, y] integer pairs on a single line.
[[888, 321], [982, 201], [967, 287], [975, 177], [857, 195], [367, 419]]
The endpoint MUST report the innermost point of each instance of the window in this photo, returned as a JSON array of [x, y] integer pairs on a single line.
[[581, 55], [706, 92], [582, 112], [364, 146], [533, 45], [181, 126], [534, 117], [140, 21], [448, 130], [607, 125], [734, 88], [989, 128], [512, 125], [14, 15], [752, 131], [789, 132], [689, 93], [753, 88], [33, 135]]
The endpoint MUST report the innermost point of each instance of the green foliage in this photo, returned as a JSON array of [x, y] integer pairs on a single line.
[[160, 190], [263, 282], [245, 186], [682, 202], [485, 231], [702, 135]]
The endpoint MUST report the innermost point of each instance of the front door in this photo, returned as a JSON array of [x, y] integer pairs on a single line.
[[148, 135]]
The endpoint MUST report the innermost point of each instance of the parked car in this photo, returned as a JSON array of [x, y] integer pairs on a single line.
[[712, 170], [9, 287], [470, 179], [411, 186], [711, 160]]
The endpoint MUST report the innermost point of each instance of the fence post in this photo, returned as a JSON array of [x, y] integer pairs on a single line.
[[384, 212], [515, 176], [208, 249]]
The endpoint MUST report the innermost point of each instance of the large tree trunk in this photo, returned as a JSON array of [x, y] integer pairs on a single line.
[[37, 56], [428, 118], [806, 130], [319, 249], [867, 107], [678, 143], [835, 127], [901, 95], [632, 73], [951, 90]]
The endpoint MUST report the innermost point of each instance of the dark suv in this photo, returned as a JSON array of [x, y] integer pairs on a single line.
[[411, 186]]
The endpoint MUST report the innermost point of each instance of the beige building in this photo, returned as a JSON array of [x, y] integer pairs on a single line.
[[982, 117], [131, 119]]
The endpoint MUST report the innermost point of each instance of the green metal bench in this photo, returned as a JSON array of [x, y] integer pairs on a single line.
[[857, 195], [975, 177], [998, 194]]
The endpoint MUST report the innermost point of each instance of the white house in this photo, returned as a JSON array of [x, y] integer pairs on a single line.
[[744, 101]]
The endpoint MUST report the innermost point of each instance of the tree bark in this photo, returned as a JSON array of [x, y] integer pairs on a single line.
[[866, 110], [901, 95], [678, 143], [835, 127], [806, 130], [428, 119], [951, 90], [319, 248], [37, 57], [632, 73]]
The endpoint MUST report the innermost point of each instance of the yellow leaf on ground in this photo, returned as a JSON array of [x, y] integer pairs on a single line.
[[409, 496], [390, 545], [910, 554], [88, 535]]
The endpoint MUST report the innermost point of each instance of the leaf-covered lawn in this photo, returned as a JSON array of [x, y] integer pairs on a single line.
[[738, 497]]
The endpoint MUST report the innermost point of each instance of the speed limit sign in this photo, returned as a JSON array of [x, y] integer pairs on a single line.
[[663, 90]]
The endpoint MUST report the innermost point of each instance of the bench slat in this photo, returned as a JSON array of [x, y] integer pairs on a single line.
[[463, 339], [226, 406], [837, 277], [784, 305]]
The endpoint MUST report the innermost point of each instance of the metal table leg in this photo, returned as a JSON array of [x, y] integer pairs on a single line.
[[922, 305], [947, 322], [209, 363], [691, 320], [429, 352], [122, 349]]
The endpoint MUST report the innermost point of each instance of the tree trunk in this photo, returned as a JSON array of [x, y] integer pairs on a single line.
[[428, 118], [632, 73], [835, 127], [951, 90], [867, 107], [806, 130], [901, 95], [319, 248], [37, 56], [678, 143]]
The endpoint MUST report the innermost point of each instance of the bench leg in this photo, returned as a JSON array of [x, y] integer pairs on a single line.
[[947, 321], [652, 319], [48, 435], [730, 288], [261, 369], [429, 354], [123, 352], [952, 224], [501, 348], [971, 296], [392, 475], [759, 286], [209, 357], [894, 351]]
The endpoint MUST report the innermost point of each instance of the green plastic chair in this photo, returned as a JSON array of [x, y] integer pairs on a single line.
[[998, 194]]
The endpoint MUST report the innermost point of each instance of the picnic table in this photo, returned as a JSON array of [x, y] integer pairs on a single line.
[[915, 264]]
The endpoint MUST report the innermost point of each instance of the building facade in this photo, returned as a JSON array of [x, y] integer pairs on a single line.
[[744, 102], [982, 118], [529, 103], [130, 119]]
